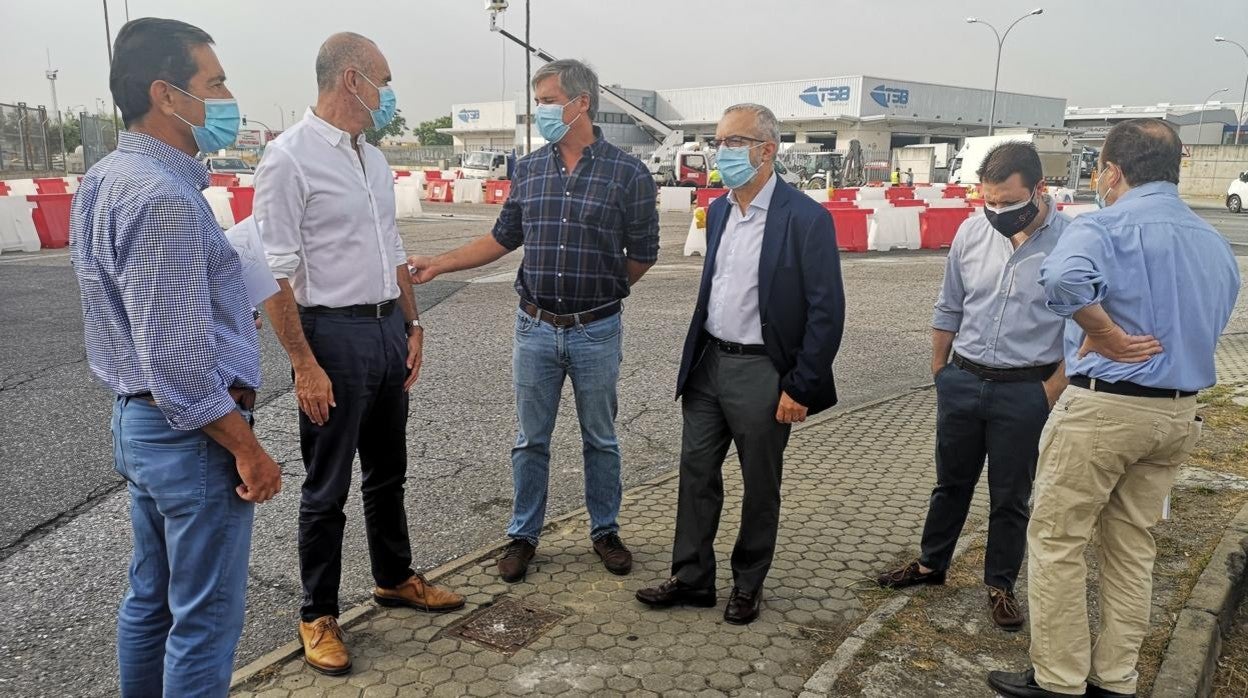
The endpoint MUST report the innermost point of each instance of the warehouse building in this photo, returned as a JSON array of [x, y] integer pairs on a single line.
[[881, 113], [1197, 124]]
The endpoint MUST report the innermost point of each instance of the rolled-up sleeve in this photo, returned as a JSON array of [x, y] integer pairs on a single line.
[[947, 314], [641, 219], [166, 294], [1073, 274], [280, 200], [509, 228]]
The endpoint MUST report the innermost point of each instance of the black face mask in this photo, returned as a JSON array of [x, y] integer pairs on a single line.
[[1011, 220]]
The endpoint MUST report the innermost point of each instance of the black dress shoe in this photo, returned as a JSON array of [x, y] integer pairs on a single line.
[[742, 608], [1019, 685], [1095, 691], [674, 592]]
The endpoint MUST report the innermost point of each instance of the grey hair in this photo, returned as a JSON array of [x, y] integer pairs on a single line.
[[339, 52], [765, 123], [575, 79]]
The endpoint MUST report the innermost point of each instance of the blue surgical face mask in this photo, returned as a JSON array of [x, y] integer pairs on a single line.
[[221, 121], [735, 167], [387, 105], [549, 118]]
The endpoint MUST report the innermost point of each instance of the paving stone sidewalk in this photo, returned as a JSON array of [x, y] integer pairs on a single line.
[[855, 493]]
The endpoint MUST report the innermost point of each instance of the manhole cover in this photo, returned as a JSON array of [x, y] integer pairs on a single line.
[[507, 626]]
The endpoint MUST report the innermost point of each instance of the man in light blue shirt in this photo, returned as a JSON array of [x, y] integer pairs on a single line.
[[1149, 287], [996, 359]]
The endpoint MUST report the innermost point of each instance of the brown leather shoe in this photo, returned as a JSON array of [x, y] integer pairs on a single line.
[[513, 564], [324, 647], [909, 576], [615, 557], [674, 592], [419, 594], [743, 608], [1006, 612]]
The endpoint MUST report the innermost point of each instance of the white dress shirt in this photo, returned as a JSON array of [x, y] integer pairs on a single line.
[[733, 314], [326, 220]]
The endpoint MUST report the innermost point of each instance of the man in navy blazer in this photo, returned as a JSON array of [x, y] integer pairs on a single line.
[[758, 358]]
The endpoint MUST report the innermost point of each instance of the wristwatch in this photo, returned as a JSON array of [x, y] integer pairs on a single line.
[[413, 324]]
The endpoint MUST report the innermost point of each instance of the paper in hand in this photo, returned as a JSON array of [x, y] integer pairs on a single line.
[[245, 239]]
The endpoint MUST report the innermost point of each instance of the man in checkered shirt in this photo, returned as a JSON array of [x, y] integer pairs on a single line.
[[584, 211], [169, 330]]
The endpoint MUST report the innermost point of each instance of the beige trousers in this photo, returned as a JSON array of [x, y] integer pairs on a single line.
[[1106, 464]]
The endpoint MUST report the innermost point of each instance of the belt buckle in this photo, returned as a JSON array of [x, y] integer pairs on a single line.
[[377, 311]]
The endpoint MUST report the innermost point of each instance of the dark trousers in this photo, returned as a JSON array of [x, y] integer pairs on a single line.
[[729, 398], [977, 418], [365, 359]]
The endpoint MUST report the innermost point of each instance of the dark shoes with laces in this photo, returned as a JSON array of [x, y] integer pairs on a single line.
[[615, 556], [743, 607], [909, 576], [1005, 611], [514, 561]]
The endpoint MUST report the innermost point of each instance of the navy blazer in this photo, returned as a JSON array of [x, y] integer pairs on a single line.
[[801, 297]]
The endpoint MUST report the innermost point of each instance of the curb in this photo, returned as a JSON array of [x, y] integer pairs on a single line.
[[256, 668], [1191, 658]]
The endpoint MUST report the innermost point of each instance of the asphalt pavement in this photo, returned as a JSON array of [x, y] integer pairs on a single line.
[[64, 536]]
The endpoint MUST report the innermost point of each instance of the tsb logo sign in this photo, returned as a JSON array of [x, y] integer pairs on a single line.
[[887, 96], [817, 96], [469, 115]]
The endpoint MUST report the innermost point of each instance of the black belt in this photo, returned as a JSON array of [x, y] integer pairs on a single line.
[[571, 319], [243, 397], [378, 310], [1004, 375], [1128, 389], [734, 348]]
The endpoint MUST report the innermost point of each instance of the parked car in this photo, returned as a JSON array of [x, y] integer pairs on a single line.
[[228, 165], [1237, 193]]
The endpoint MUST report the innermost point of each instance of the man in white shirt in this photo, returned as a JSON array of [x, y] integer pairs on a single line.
[[346, 314]]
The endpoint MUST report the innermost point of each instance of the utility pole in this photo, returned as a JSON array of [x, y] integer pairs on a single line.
[[56, 107], [528, 81]]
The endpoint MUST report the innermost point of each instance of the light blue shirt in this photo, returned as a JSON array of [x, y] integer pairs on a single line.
[[732, 314], [1158, 269], [991, 297]]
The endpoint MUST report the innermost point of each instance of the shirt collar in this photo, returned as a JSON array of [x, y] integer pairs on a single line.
[[1149, 189], [763, 199], [592, 150], [185, 166], [332, 134]]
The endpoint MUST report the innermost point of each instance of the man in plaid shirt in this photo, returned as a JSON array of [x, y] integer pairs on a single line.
[[584, 211]]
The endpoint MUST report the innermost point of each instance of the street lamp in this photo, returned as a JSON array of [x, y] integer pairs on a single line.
[[1200, 125], [1244, 99], [60, 123], [281, 114], [992, 114]]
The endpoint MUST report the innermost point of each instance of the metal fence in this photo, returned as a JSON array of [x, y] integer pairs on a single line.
[[24, 139], [424, 155], [99, 138]]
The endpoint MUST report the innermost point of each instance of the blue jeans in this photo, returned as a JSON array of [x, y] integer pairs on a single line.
[[543, 356], [181, 619]]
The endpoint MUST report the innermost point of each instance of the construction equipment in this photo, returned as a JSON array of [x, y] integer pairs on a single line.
[[663, 163], [814, 169], [853, 169]]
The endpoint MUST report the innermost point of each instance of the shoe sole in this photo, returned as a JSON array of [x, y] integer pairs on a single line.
[[515, 577], [747, 621], [1008, 628], [320, 669], [400, 603]]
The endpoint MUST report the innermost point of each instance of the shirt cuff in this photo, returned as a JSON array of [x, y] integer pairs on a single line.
[[199, 414], [282, 265], [946, 321], [504, 239], [1066, 303]]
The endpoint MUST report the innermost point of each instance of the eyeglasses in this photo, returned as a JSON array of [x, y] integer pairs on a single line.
[[735, 142]]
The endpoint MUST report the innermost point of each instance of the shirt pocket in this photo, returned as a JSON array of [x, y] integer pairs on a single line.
[[602, 206]]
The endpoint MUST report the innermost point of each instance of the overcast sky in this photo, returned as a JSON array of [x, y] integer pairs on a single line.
[[1092, 52]]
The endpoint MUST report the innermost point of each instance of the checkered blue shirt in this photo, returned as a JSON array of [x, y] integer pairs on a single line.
[[578, 232], [163, 302]]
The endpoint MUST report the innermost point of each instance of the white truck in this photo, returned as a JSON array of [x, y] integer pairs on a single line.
[[1237, 193], [484, 164], [928, 161], [1055, 148]]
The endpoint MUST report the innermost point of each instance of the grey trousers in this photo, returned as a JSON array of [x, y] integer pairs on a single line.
[[729, 398]]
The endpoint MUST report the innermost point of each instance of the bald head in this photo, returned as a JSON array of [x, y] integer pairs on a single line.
[[342, 51], [1146, 150]]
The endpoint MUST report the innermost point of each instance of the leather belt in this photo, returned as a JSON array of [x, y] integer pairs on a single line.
[[243, 397], [1128, 389], [1004, 375], [734, 348], [571, 319], [377, 310]]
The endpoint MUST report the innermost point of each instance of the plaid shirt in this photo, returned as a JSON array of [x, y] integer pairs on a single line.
[[579, 231], [163, 302]]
